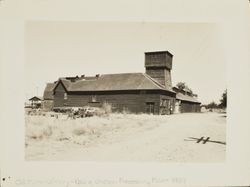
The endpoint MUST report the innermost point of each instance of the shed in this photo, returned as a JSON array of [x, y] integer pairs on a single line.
[[36, 101]]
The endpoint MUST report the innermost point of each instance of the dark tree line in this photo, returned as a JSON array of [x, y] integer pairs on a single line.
[[222, 104], [223, 101]]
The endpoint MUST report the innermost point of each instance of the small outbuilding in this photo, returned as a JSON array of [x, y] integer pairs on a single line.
[[35, 102]]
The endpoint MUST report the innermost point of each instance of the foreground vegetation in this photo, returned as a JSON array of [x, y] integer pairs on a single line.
[[127, 137], [82, 130]]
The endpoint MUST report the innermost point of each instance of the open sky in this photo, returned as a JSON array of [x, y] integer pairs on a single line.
[[58, 49]]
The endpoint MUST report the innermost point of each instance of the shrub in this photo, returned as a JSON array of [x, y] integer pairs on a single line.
[[107, 107], [39, 132], [86, 130], [79, 131], [125, 111]]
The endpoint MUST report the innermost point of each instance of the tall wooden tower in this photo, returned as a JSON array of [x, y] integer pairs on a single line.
[[158, 65]]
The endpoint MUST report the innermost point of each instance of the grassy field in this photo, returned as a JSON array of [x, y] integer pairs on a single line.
[[127, 137]]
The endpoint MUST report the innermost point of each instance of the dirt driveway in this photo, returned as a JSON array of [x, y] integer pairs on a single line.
[[179, 139]]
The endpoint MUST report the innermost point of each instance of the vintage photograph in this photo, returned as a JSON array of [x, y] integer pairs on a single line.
[[125, 91]]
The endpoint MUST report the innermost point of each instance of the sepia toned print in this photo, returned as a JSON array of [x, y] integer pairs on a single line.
[[128, 116]]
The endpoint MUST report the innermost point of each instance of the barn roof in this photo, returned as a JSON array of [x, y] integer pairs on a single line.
[[188, 98], [48, 92], [36, 98], [108, 82]]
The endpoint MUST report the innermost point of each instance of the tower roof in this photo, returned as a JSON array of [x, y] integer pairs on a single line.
[[157, 52]]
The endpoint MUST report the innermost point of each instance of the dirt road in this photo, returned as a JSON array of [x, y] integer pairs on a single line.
[[174, 139]]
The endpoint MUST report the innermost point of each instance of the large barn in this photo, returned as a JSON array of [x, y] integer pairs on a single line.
[[149, 92]]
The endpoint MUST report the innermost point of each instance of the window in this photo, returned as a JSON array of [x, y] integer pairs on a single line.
[[150, 107], [163, 103], [65, 96]]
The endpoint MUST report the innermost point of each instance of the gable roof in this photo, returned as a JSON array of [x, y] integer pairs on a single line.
[[109, 82], [188, 98], [36, 98], [48, 92]]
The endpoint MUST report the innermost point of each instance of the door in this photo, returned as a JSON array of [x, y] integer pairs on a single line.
[[150, 107], [165, 107]]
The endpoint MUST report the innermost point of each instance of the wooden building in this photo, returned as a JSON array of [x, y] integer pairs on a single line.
[[133, 92], [48, 97], [186, 101], [35, 102], [149, 92]]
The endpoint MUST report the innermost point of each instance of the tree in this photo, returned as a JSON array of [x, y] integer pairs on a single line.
[[212, 105], [182, 86], [223, 101]]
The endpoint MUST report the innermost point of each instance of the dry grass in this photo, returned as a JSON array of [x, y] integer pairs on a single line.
[[126, 137], [84, 130]]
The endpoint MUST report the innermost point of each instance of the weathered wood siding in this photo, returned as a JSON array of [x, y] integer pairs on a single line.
[[59, 100], [162, 75], [158, 59], [131, 101], [167, 104], [47, 105], [158, 66], [189, 107], [120, 101]]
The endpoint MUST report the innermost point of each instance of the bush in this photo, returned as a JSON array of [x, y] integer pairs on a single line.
[[79, 131], [107, 107], [104, 111], [39, 132], [125, 111], [85, 130]]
